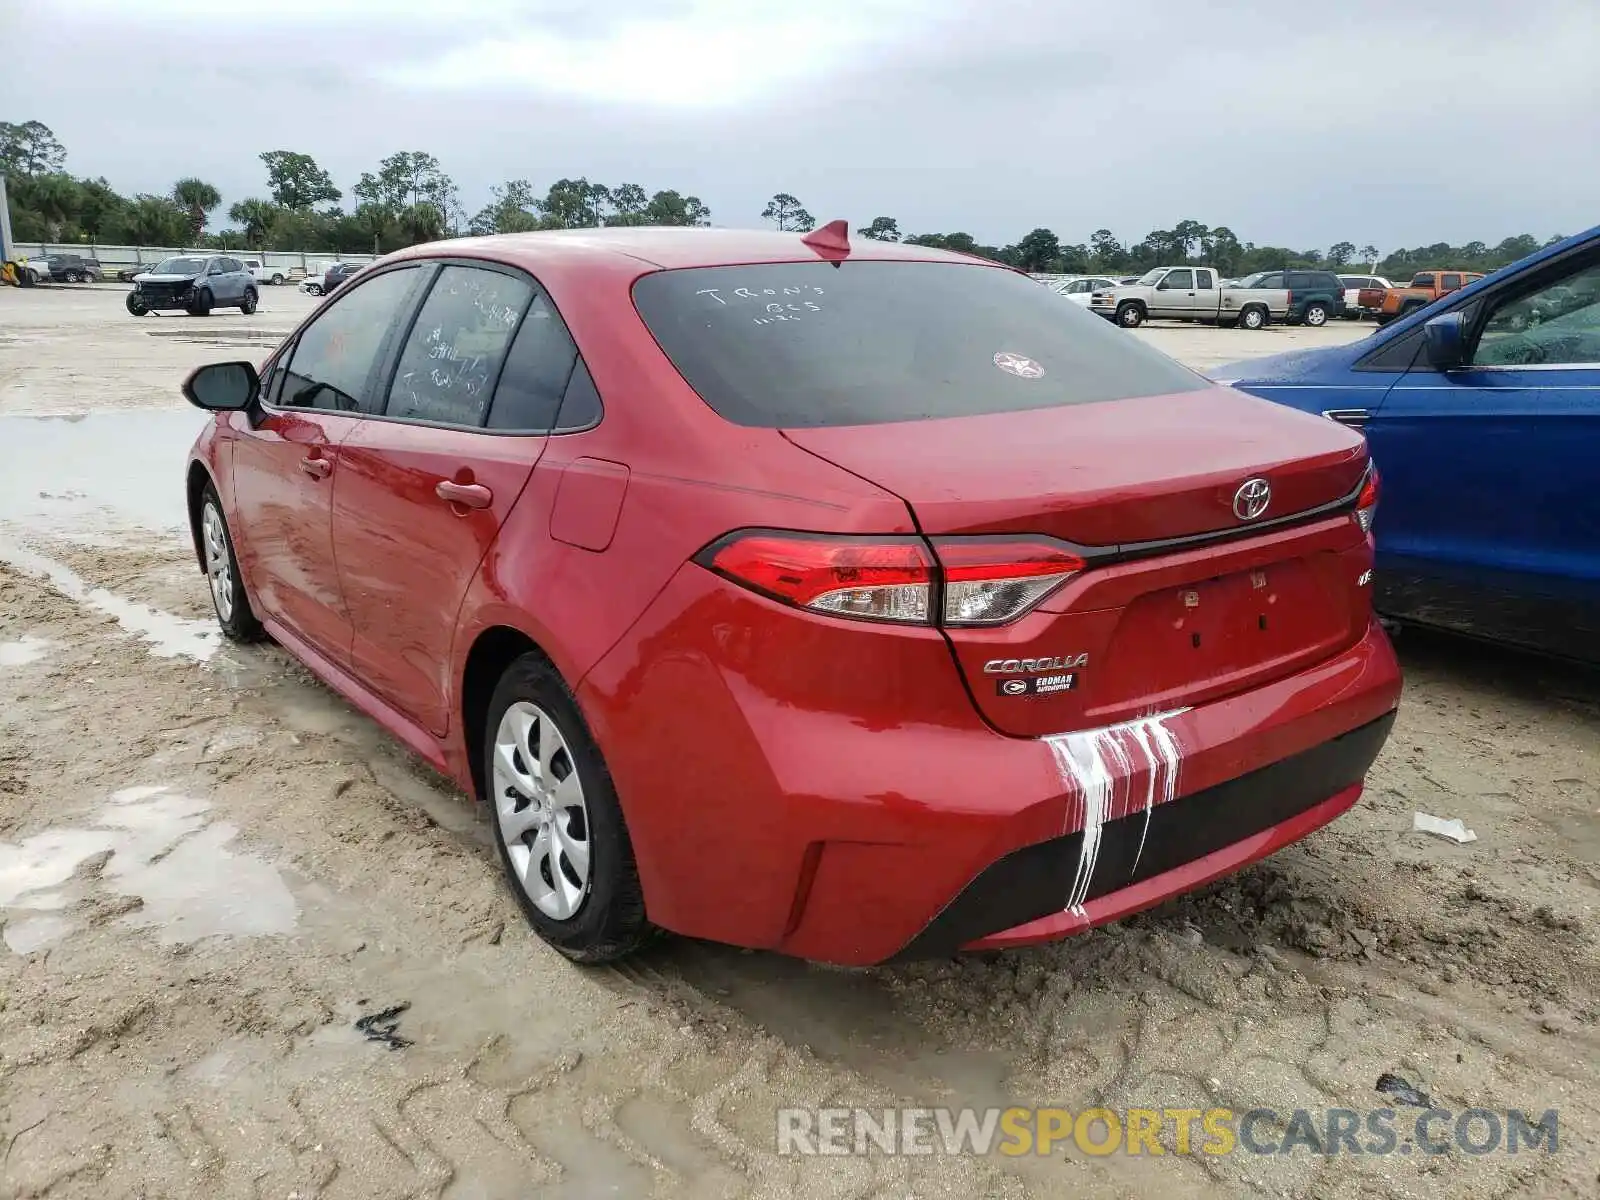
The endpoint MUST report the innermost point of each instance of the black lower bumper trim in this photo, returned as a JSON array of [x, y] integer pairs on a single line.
[[1034, 881]]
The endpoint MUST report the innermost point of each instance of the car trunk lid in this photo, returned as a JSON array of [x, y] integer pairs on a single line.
[[1182, 599]]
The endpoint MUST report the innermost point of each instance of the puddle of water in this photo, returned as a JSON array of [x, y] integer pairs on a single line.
[[165, 853], [46, 860], [36, 933], [28, 649], [98, 470], [168, 636]]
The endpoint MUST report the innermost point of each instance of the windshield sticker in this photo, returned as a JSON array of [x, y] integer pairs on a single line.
[[1019, 365]]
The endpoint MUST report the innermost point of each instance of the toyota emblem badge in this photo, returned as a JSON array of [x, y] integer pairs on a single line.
[[1252, 498]]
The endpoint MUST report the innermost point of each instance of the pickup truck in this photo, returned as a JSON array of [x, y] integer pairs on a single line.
[[264, 274], [1425, 287], [1189, 294]]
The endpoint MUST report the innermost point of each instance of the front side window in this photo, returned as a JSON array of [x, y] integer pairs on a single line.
[[807, 345], [1556, 324], [1178, 281], [452, 358], [332, 364], [1273, 279], [1422, 281]]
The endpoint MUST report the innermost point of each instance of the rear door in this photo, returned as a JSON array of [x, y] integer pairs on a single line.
[[1205, 302], [1490, 520], [472, 391]]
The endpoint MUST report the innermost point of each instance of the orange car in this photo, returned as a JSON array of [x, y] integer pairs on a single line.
[[1425, 287]]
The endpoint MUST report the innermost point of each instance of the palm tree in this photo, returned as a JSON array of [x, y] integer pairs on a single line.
[[423, 222], [255, 218], [197, 198]]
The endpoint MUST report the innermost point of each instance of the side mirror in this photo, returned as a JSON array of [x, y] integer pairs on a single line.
[[222, 387], [1445, 338]]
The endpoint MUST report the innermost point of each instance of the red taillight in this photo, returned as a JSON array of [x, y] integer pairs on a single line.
[[874, 579], [1367, 502], [992, 582], [983, 581]]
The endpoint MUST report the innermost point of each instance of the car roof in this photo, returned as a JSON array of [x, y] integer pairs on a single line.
[[670, 247]]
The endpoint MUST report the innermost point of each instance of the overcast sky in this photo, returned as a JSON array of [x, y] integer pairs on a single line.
[[1297, 124]]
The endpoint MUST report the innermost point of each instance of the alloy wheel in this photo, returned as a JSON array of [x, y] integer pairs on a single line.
[[539, 805], [219, 565]]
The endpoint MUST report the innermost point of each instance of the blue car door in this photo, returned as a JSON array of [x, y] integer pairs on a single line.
[[1490, 515]]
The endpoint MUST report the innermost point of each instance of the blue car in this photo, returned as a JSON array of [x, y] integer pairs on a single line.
[[1482, 412]]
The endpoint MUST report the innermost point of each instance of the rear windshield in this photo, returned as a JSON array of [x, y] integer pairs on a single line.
[[809, 344]]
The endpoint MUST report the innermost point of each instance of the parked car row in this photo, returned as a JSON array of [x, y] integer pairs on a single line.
[[1186, 293], [62, 268]]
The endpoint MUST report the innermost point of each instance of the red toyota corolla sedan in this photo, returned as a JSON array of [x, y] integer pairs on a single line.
[[856, 602]]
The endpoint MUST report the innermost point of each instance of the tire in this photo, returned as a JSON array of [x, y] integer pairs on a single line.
[[202, 304], [248, 304], [137, 306], [234, 614], [1315, 315], [592, 914], [1130, 315], [1253, 317], [73, 277], [314, 289], [32, 278], [277, 280]]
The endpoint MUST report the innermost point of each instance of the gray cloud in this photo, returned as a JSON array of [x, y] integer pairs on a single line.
[[1366, 120]]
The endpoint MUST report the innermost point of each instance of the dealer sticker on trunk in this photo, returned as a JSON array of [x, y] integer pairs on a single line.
[[1038, 685]]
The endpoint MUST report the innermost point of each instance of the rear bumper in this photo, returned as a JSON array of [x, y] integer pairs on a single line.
[[842, 801], [1024, 898]]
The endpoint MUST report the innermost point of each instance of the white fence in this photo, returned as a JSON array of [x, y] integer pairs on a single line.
[[113, 258]]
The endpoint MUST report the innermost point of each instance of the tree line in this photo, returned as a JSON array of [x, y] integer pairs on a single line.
[[409, 199]]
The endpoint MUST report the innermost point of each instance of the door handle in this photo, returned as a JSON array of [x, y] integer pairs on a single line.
[[469, 495], [316, 466]]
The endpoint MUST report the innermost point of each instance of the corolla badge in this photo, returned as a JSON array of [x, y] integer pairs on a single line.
[[1252, 498], [1035, 666]]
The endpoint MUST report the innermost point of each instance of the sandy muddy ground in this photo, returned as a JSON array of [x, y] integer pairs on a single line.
[[210, 868]]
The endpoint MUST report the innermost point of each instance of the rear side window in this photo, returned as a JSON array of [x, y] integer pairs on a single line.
[[810, 344], [536, 372], [1203, 279], [334, 360], [1450, 282], [452, 358]]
